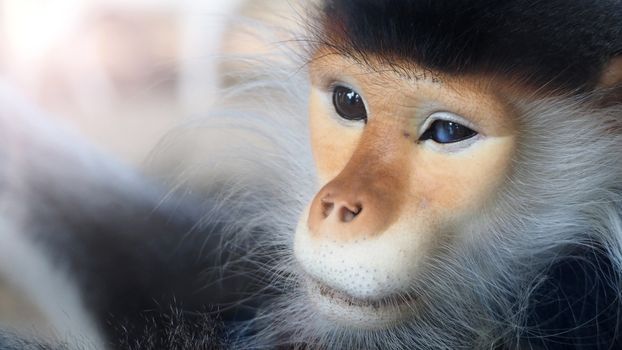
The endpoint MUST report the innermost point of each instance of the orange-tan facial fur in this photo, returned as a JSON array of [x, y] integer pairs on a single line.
[[388, 198]]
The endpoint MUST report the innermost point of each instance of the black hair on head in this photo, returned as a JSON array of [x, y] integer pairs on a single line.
[[557, 44]]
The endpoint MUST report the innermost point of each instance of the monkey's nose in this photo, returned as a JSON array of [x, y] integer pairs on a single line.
[[344, 210]]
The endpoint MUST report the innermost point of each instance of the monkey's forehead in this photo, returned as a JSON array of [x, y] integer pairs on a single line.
[[560, 44]]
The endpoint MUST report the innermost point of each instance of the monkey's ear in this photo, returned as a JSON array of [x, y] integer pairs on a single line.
[[611, 75], [610, 82]]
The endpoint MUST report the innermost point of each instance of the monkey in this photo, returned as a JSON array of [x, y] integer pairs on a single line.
[[462, 190]]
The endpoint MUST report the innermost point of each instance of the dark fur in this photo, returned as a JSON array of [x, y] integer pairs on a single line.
[[560, 44], [149, 267], [155, 330], [577, 307]]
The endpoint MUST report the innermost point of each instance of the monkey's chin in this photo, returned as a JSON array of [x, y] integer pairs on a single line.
[[355, 313]]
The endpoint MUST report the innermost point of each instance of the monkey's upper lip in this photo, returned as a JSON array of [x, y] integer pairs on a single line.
[[391, 301]]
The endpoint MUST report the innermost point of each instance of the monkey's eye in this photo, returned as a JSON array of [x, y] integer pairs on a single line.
[[445, 131], [349, 104]]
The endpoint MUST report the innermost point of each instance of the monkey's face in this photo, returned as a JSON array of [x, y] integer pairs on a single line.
[[405, 164]]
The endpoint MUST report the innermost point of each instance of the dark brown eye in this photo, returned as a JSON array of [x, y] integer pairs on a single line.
[[349, 104], [445, 131]]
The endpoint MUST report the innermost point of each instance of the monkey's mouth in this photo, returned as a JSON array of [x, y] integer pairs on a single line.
[[368, 313], [332, 293]]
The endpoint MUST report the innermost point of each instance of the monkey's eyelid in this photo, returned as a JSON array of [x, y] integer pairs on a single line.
[[450, 117]]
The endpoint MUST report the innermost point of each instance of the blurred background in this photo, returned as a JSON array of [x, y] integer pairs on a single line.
[[123, 71]]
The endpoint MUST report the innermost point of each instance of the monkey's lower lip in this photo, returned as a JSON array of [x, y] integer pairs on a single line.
[[358, 312], [332, 293]]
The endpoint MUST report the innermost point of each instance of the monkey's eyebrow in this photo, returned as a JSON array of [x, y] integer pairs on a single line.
[[335, 65]]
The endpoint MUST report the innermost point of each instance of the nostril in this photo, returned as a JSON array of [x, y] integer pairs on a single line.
[[345, 211], [348, 213], [327, 208]]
